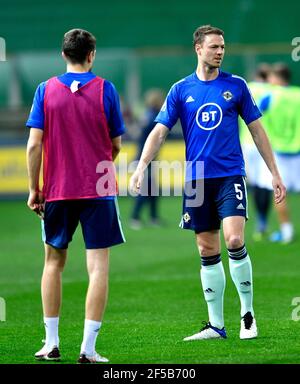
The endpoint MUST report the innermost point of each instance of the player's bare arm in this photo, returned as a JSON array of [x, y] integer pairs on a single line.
[[153, 143], [34, 160], [264, 147], [116, 146]]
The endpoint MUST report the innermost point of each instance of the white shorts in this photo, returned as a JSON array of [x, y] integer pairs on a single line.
[[259, 175], [257, 172], [289, 168], [264, 176]]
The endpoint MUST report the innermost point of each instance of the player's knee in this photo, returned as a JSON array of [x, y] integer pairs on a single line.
[[55, 262], [234, 241], [54, 265], [206, 249], [98, 271], [95, 273]]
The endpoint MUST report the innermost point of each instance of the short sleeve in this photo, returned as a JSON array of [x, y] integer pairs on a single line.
[[36, 115], [113, 110], [247, 106], [169, 114]]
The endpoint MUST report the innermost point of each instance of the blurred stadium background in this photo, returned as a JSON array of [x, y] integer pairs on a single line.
[[140, 45]]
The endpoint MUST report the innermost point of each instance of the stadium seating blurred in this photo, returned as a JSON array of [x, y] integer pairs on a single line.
[[140, 45]]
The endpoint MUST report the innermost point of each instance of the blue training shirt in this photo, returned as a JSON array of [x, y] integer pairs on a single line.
[[110, 100], [208, 112]]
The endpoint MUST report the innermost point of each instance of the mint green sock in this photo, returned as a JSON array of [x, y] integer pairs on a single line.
[[241, 274], [213, 284]]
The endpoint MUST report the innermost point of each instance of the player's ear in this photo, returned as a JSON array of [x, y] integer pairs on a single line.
[[91, 56], [63, 56], [198, 48]]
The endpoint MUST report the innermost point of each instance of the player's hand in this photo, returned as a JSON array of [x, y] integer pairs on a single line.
[[36, 203], [279, 190], [136, 182]]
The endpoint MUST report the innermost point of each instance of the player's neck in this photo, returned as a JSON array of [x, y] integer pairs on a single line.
[[78, 68], [206, 73]]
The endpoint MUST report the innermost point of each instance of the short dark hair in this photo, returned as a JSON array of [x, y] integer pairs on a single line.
[[77, 44], [262, 71], [201, 32], [282, 71]]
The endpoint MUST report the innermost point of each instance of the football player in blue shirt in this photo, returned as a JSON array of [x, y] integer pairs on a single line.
[[208, 103]]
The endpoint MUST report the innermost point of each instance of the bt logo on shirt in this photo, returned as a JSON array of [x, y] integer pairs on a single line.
[[209, 116]]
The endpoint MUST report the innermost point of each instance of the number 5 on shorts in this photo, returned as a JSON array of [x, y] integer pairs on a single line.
[[239, 192]]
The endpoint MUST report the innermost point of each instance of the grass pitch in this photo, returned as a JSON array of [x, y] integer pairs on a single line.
[[155, 298]]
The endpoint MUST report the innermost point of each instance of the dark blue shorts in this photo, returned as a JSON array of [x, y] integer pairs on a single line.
[[99, 219], [207, 202]]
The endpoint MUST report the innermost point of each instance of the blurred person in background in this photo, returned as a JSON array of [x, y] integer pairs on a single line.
[[282, 122], [154, 99], [262, 195], [129, 119]]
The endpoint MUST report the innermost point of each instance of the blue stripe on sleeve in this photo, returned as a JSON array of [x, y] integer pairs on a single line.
[[36, 116], [112, 110]]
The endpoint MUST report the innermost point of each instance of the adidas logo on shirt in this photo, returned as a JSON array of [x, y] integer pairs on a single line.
[[240, 206], [190, 99]]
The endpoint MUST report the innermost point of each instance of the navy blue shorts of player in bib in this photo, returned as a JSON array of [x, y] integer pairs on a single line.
[[99, 219], [208, 201]]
